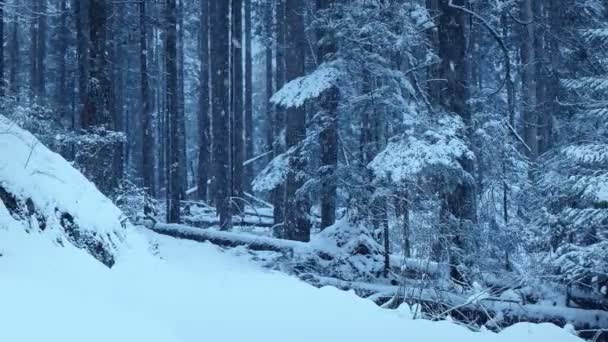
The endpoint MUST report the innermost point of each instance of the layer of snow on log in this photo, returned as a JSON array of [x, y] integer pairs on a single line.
[[41, 192], [181, 291]]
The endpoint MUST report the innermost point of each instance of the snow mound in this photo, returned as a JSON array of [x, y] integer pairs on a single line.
[[345, 251], [41, 192]]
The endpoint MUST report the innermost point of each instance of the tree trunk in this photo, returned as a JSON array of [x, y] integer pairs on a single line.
[[434, 72], [220, 89], [237, 131], [248, 96], [174, 183], [528, 78], [204, 159], [97, 111], [297, 225], [63, 93], [328, 137], [81, 9], [181, 103], [278, 194], [14, 57], [38, 50], [552, 80], [460, 203], [2, 78], [146, 107]]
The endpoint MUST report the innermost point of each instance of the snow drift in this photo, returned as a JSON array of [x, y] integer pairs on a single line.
[[41, 192]]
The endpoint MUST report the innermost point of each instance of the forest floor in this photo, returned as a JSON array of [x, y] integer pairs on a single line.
[[186, 291]]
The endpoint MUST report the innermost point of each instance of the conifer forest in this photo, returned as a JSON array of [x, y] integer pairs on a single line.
[[445, 161]]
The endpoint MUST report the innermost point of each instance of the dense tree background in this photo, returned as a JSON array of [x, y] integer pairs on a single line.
[[467, 132]]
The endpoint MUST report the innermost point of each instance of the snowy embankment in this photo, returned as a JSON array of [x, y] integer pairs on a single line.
[[58, 235], [40, 191]]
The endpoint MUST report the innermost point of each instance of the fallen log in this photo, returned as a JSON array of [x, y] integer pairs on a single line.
[[227, 239], [206, 222]]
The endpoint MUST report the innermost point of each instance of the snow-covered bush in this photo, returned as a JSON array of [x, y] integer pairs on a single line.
[[353, 254]]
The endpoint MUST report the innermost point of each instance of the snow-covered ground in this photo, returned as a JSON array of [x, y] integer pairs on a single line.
[[57, 232], [164, 290]]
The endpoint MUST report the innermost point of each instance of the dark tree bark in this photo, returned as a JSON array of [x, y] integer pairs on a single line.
[[278, 194], [63, 91], [269, 82], [219, 30], [297, 225], [271, 133], [181, 102], [117, 74], [148, 146], [238, 148], [2, 77], [248, 96], [38, 50], [204, 159], [434, 72], [460, 203], [528, 78], [97, 111], [14, 57], [174, 184], [328, 137], [81, 10], [552, 77]]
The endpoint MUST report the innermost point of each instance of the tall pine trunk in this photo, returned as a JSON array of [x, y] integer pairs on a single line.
[[248, 96], [148, 146], [328, 137], [219, 31], [174, 183], [297, 225], [2, 78], [458, 207], [38, 50], [204, 159], [97, 91], [528, 78], [237, 129], [181, 102], [278, 194], [14, 57]]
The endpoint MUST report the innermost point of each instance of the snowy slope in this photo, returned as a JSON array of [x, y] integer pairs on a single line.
[[41, 192], [191, 292]]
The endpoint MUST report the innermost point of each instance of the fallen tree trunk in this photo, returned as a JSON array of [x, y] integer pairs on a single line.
[[227, 239], [207, 222]]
